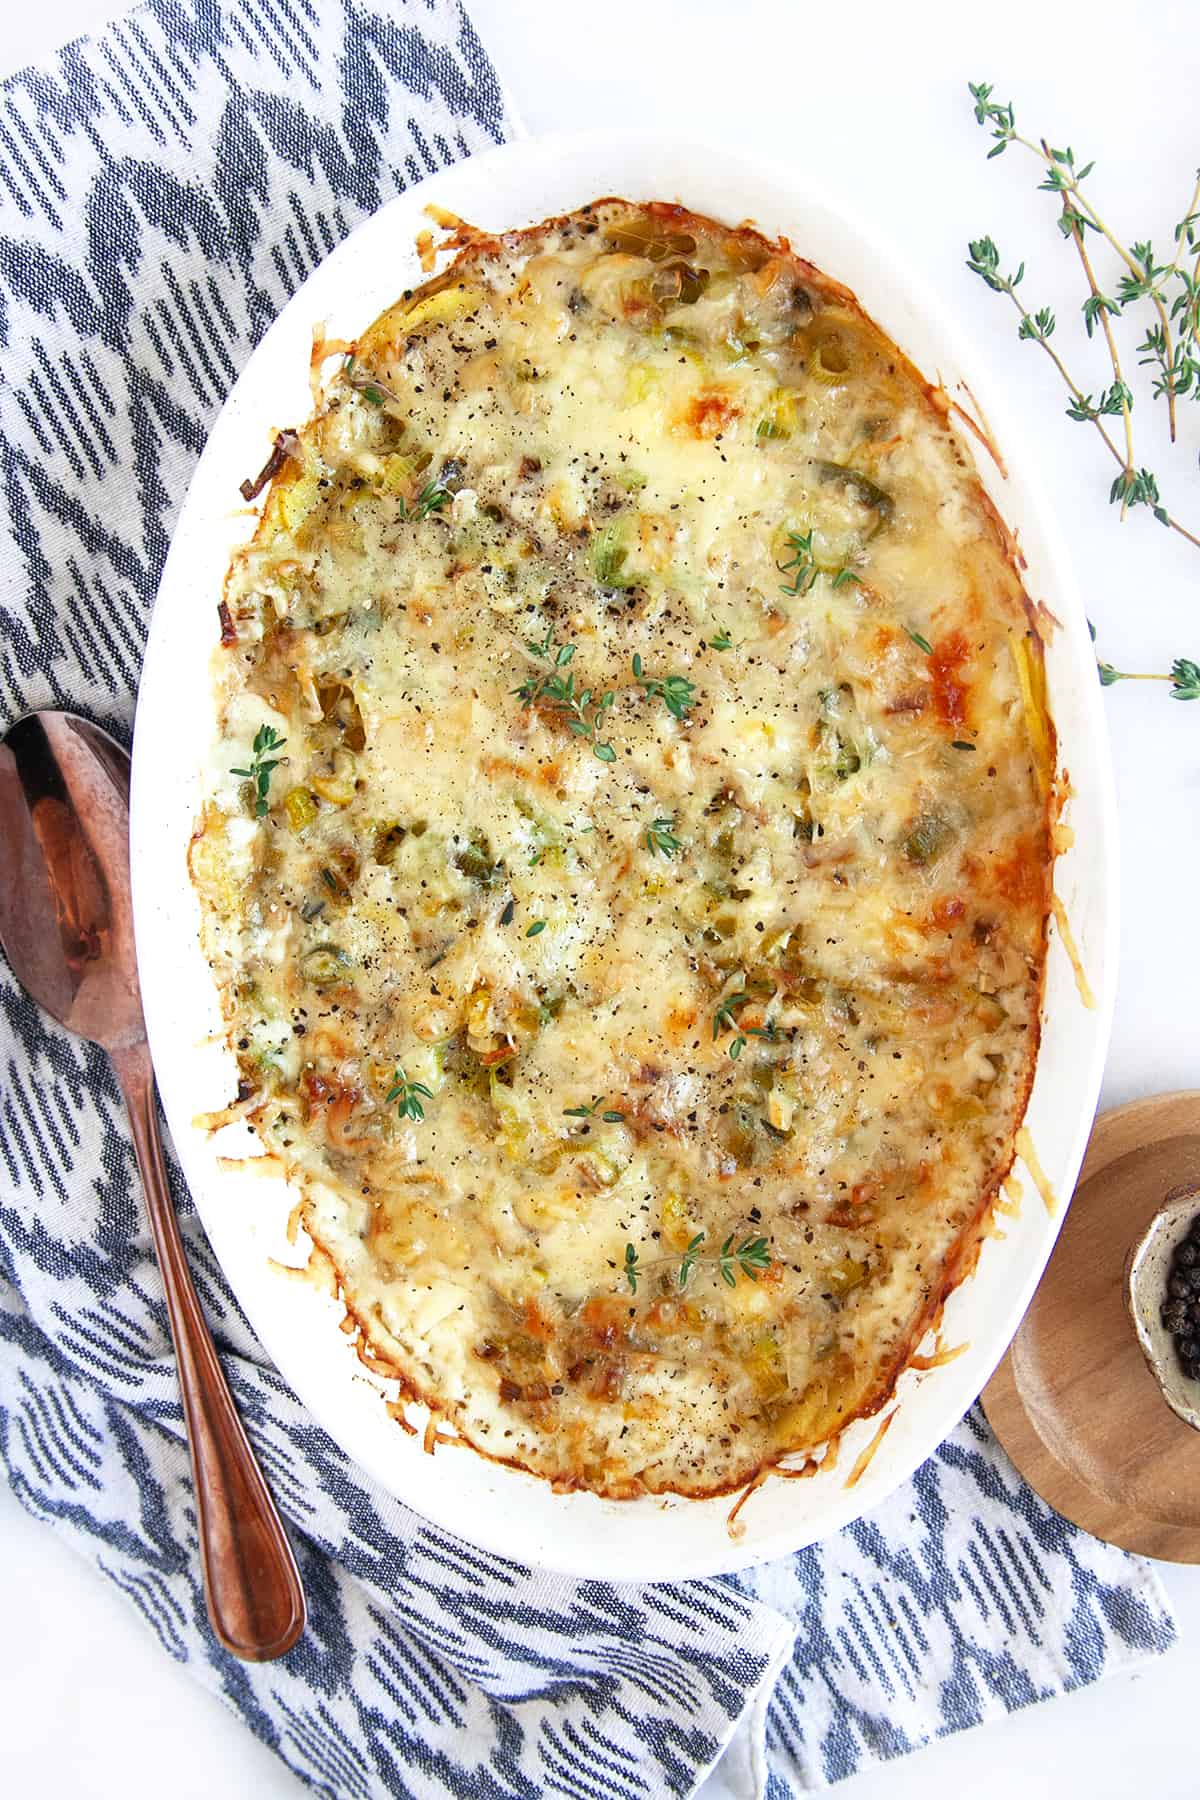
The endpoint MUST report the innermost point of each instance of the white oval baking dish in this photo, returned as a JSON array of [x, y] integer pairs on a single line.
[[245, 1215]]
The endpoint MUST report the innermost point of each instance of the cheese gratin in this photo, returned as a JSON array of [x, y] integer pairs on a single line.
[[627, 858]]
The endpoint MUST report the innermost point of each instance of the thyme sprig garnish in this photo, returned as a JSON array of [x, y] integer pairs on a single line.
[[800, 565], [749, 1258], [1171, 346], [582, 710], [722, 641], [262, 766], [432, 497], [610, 1117], [373, 391], [803, 567], [661, 839], [725, 1019], [676, 692], [407, 1095]]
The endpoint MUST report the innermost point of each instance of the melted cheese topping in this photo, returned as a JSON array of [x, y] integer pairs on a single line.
[[636, 952]]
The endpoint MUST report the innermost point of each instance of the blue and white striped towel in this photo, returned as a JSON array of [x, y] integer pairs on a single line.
[[163, 189]]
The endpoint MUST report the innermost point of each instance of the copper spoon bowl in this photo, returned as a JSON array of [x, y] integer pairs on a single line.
[[66, 925]]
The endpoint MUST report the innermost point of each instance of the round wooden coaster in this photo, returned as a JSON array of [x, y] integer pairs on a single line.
[[1073, 1402]]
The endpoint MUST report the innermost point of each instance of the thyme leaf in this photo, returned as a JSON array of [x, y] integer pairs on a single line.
[[725, 1019], [802, 566], [407, 1095], [676, 692], [610, 1117], [432, 497], [262, 765], [661, 839]]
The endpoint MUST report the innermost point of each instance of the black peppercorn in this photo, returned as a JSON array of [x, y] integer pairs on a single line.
[[1180, 1311]]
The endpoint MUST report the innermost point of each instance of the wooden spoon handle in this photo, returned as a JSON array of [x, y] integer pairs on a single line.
[[255, 1599]]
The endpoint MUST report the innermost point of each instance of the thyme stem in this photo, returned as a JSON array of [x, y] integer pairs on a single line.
[[749, 1258], [1172, 267], [1106, 327], [1068, 183], [1075, 390]]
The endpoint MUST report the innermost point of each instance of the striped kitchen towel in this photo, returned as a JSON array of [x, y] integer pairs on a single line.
[[163, 190]]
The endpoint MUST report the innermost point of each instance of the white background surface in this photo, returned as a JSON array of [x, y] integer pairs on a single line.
[[872, 96]]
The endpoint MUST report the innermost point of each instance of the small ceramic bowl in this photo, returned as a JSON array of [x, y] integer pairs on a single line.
[[1146, 1274]]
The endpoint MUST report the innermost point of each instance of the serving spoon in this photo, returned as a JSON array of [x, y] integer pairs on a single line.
[[66, 925]]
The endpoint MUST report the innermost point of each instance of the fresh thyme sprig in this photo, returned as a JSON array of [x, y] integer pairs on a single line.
[[1184, 674], [722, 641], [748, 1258], [373, 391], [1171, 346], [432, 497], [1144, 277], [803, 568], [1184, 677], [800, 565], [610, 1117], [725, 1019], [1132, 486], [582, 710], [407, 1096], [661, 839], [263, 764], [676, 692]]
